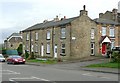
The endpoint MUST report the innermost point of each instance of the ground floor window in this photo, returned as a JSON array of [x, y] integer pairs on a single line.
[[63, 49], [92, 48], [48, 48]]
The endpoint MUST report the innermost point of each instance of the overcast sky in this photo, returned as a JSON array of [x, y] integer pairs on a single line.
[[17, 15]]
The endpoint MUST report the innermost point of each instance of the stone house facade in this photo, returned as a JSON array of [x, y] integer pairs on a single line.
[[71, 38], [13, 41], [108, 25]]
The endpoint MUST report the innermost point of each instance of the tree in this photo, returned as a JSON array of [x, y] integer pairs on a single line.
[[20, 49]]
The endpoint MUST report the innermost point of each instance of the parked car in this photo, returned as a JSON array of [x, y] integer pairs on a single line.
[[117, 48], [15, 59], [2, 59]]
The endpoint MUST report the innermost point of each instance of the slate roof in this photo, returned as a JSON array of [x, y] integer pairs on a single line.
[[14, 34], [105, 21], [50, 24]]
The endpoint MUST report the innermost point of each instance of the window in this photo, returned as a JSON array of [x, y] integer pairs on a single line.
[[32, 48], [63, 32], [112, 44], [92, 33], [36, 36], [48, 48], [92, 48], [48, 34], [63, 49], [27, 36], [111, 32], [36, 47], [103, 31], [27, 47]]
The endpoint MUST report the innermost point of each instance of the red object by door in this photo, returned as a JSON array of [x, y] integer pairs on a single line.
[[103, 49]]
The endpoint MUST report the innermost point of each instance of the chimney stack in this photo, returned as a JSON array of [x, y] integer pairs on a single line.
[[56, 19], [83, 12]]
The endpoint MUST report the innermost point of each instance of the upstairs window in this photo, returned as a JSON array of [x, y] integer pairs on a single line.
[[63, 32], [103, 31], [112, 32], [36, 36], [27, 36], [48, 35], [92, 34]]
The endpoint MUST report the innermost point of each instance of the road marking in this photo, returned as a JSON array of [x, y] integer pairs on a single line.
[[8, 72], [27, 78], [40, 78]]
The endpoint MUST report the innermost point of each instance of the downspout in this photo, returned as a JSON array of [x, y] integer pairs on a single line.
[[30, 43], [52, 42], [70, 39]]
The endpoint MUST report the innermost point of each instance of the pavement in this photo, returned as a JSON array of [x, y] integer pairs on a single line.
[[80, 65]]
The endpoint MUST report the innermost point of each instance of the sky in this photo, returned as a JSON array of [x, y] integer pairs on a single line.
[[17, 15]]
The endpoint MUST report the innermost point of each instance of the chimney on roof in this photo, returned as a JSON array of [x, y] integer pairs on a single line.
[[45, 21], [83, 12], [63, 18], [100, 15], [115, 15], [56, 19]]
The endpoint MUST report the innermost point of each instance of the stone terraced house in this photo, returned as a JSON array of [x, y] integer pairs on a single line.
[[71, 38], [108, 25]]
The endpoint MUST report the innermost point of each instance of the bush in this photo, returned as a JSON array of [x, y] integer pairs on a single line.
[[26, 54], [116, 56], [20, 49]]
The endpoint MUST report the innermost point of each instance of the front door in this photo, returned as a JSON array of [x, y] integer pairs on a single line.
[[103, 49], [55, 51], [42, 50]]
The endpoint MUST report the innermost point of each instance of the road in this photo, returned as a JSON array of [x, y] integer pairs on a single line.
[[24, 72]]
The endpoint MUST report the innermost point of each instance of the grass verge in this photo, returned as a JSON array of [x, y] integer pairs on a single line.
[[106, 65], [42, 61]]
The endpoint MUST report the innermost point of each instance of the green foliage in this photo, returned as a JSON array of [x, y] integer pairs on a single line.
[[116, 56], [26, 54], [4, 51], [20, 49], [105, 65], [32, 56], [48, 61]]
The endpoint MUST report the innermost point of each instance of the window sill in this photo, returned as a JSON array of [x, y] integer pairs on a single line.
[[62, 54], [47, 39], [47, 53], [62, 38]]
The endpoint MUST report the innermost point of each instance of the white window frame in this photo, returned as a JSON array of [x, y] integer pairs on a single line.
[[48, 48], [27, 36], [112, 44], [36, 47], [27, 47], [36, 36], [32, 48], [62, 48], [104, 31], [111, 32], [92, 48], [48, 34], [92, 33], [63, 32]]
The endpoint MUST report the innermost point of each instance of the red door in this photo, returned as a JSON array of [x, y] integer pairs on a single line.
[[103, 49]]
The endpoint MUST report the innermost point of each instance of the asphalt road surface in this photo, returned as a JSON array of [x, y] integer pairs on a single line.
[[24, 72]]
